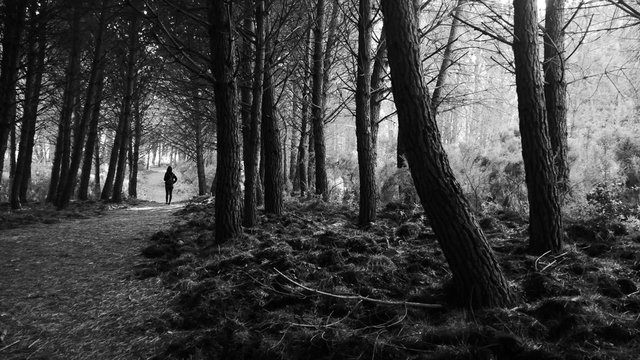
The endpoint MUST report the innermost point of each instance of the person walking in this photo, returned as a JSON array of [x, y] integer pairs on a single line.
[[169, 179]]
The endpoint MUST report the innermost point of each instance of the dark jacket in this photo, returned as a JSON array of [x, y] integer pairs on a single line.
[[170, 178]]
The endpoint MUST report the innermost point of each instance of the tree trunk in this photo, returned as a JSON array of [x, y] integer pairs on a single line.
[[227, 204], [555, 91], [303, 158], [252, 140], [36, 43], [92, 145], [322, 185], [476, 274], [14, 14], [125, 115], [366, 167], [68, 186], [273, 173], [60, 168], [377, 92], [545, 219], [135, 152]]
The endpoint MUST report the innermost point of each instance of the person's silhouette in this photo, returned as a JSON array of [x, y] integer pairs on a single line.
[[169, 179]]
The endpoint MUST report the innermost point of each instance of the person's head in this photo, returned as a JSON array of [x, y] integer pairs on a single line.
[[169, 169]]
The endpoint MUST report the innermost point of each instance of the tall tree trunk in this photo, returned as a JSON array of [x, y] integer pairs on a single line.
[[252, 141], [293, 159], [36, 43], [303, 158], [366, 167], [555, 90], [135, 143], [322, 185], [14, 14], [329, 51], [436, 97], [377, 92], [202, 181], [68, 186], [61, 163], [92, 145], [476, 274], [96, 183], [127, 103], [227, 205], [273, 173], [545, 219]]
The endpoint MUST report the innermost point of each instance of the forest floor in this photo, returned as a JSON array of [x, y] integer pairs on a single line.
[[141, 282], [66, 290]]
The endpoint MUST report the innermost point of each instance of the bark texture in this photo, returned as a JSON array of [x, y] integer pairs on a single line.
[[545, 218], [476, 274], [366, 165], [555, 90], [227, 189], [319, 148], [273, 169]]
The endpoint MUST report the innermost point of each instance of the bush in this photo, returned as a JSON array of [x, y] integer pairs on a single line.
[[613, 200]]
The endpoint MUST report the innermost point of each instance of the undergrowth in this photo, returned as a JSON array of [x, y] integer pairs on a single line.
[[299, 286]]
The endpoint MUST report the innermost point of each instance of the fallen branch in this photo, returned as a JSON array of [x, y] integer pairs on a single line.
[[360, 297]]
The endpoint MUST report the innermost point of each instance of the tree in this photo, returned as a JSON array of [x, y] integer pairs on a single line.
[[319, 149], [61, 160], [545, 218], [555, 90], [227, 205], [252, 128], [273, 172], [13, 24], [366, 159], [66, 188], [476, 274], [36, 46]]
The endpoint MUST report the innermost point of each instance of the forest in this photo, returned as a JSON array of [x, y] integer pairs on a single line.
[[396, 179]]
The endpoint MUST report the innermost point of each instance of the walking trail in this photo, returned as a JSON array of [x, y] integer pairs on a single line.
[[67, 290]]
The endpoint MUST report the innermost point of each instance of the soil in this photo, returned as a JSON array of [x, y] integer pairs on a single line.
[[66, 290]]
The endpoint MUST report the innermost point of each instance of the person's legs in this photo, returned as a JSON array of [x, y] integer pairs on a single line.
[[170, 194], [167, 191]]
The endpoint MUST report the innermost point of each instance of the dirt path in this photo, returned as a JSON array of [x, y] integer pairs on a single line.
[[66, 290]]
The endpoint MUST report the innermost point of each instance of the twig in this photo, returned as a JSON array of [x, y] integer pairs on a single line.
[[535, 264], [360, 297], [10, 345]]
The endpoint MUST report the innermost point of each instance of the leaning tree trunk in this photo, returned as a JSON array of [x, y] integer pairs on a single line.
[[273, 172], [13, 23], [366, 166], [476, 274], [35, 68], [227, 189], [555, 90], [322, 184], [377, 92], [60, 168], [68, 186], [545, 219], [252, 140]]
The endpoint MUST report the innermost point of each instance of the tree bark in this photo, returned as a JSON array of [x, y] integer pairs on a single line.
[[366, 167], [377, 92], [13, 24], [92, 145], [127, 101], [303, 158], [545, 218], [555, 90], [273, 172], [252, 140], [67, 188], [36, 42], [61, 162], [476, 274], [322, 185], [135, 143], [227, 204]]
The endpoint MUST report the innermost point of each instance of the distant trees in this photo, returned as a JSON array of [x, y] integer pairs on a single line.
[[476, 274]]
